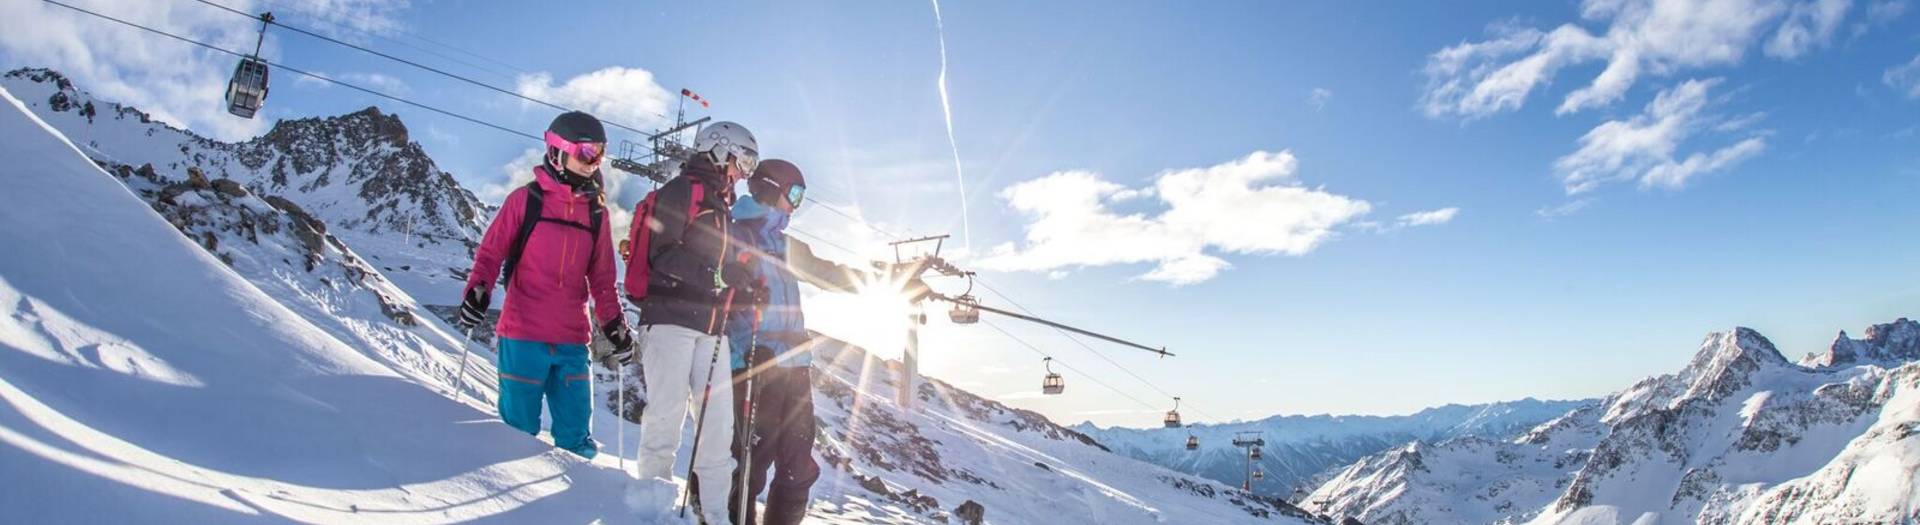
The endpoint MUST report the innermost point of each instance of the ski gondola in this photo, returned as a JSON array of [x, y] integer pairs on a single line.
[[247, 90], [1173, 416], [1053, 384]]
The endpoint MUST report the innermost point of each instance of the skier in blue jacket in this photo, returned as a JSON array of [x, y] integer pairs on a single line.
[[769, 339]]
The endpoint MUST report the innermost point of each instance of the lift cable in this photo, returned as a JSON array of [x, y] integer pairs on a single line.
[[1063, 364], [507, 73], [315, 76], [428, 68], [1090, 348]]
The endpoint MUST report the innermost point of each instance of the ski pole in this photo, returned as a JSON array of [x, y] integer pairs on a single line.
[[746, 437], [622, 415], [459, 394], [706, 393]]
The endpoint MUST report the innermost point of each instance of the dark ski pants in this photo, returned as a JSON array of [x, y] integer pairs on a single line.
[[531, 371], [783, 429]]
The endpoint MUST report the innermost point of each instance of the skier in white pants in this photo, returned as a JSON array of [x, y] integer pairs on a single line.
[[680, 279]]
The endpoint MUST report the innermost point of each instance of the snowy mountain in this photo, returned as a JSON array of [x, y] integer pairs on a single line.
[[359, 173], [1739, 435], [1302, 450], [192, 348]]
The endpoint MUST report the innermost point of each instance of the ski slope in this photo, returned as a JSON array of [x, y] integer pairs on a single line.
[[145, 379]]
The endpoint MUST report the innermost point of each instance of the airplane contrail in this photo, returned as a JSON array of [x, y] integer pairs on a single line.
[[946, 108]]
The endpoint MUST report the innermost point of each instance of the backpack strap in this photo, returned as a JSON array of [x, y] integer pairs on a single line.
[[596, 212], [529, 217]]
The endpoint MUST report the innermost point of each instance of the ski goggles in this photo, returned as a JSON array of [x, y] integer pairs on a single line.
[[742, 157], [795, 194], [585, 152]]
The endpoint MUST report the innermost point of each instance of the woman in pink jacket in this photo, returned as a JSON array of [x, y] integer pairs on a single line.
[[552, 247]]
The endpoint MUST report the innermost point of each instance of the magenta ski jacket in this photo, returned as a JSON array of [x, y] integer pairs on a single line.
[[559, 268]]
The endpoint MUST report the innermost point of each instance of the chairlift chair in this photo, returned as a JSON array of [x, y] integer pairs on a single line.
[[1053, 384], [966, 310], [247, 90], [1173, 416]]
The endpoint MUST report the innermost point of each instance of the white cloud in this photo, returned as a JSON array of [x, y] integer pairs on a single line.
[[1905, 78], [1252, 205], [379, 17], [1427, 218], [378, 82], [1640, 38], [176, 82], [1809, 24], [1570, 208], [1319, 98], [624, 95], [1643, 147]]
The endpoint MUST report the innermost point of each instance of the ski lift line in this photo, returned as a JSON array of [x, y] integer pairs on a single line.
[[399, 32], [1111, 339], [1063, 364], [1102, 355], [315, 76], [425, 67]]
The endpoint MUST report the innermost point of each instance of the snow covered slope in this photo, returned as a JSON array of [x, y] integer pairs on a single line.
[[1301, 450], [149, 375], [359, 173], [1739, 435], [141, 379]]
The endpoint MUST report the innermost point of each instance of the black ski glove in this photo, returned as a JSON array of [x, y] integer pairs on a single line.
[[473, 309], [622, 339]]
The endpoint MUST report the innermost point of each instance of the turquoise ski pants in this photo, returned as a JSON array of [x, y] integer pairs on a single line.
[[532, 370]]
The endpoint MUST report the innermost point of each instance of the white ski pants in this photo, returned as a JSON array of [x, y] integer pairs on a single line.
[[676, 363]]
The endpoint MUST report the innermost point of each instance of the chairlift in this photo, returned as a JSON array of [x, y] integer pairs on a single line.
[[1053, 384], [247, 91], [1193, 442], [1173, 416], [966, 310]]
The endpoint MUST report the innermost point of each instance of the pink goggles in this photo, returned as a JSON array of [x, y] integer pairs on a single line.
[[585, 152]]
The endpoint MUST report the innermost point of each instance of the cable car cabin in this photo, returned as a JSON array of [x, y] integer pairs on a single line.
[[1256, 453], [1053, 384], [248, 89], [1193, 443], [1259, 475], [965, 310], [1173, 419]]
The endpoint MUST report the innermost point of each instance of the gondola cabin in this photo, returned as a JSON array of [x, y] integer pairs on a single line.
[[1053, 385], [247, 91]]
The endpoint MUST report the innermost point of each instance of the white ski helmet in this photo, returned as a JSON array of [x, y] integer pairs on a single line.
[[724, 142]]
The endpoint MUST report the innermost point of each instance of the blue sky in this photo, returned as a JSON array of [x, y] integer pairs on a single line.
[[1323, 207]]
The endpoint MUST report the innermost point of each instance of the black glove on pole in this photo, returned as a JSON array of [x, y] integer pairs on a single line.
[[473, 308]]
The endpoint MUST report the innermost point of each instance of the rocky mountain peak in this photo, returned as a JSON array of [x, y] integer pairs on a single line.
[[1887, 343], [1725, 361]]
